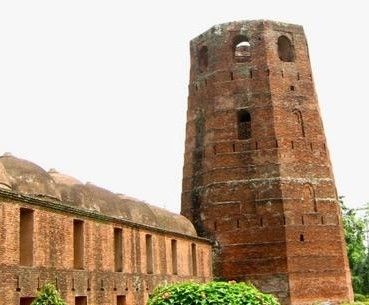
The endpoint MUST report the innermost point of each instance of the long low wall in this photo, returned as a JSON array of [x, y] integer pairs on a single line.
[[92, 259]]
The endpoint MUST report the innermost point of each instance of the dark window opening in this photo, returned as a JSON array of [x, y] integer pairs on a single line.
[[121, 300], [244, 125], [238, 223], [261, 222], [26, 237], [174, 256], [73, 288], [18, 287], [118, 249], [285, 49], [234, 147], [302, 238], [194, 259], [215, 225], [78, 244], [292, 145], [231, 75], [292, 88], [149, 255], [242, 49], [26, 300], [81, 300], [203, 58]]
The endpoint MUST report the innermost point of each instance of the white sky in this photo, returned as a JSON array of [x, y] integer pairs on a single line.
[[98, 89]]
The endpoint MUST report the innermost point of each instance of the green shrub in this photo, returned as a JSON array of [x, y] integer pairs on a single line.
[[48, 295], [361, 298], [213, 293]]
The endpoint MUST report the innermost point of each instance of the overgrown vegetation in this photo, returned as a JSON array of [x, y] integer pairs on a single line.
[[48, 295], [363, 299], [357, 252], [213, 293]]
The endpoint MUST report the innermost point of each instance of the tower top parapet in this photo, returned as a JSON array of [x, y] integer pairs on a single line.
[[245, 25], [249, 42]]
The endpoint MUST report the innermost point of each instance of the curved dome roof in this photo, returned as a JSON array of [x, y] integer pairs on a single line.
[[4, 179], [92, 197], [28, 178]]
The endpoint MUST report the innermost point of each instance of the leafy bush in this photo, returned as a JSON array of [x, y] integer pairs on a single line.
[[48, 295], [213, 293], [357, 253], [361, 298]]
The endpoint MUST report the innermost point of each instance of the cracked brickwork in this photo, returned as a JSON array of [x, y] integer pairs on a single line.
[[257, 177]]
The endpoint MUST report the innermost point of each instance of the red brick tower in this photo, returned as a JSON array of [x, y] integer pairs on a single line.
[[257, 176]]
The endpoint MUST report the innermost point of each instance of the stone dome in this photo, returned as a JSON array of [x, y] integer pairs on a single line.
[[28, 178], [4, 179], [97, 199]]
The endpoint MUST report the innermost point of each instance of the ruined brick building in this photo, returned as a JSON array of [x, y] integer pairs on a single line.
[[257, 182], [257, 177], [97, 247]]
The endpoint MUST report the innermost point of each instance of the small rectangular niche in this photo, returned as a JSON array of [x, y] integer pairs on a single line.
[[244, 124], [121, 300], [26, 300], [118, 249], [26, 223], [173, 246], [78, 243], [80, 300], [149, 255], [194, 259]]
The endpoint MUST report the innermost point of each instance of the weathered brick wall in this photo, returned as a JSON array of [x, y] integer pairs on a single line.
[[268, 200], [53, 254]]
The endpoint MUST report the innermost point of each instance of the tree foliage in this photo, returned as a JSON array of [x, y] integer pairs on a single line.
[[358, 256], [213, 293], [48, 295]]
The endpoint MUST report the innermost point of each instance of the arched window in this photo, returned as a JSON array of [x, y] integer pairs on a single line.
[[285, 49], [203, 58], [309, 203], [299, 123], [244, 125], [241, 49]]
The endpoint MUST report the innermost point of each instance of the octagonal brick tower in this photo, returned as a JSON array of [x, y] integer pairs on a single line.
[[257, 178]]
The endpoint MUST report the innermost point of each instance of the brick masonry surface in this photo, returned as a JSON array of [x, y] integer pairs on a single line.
[[53, 255], [257, 177]]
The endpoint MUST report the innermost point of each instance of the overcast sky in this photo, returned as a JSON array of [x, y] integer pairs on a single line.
[[98, 89]]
